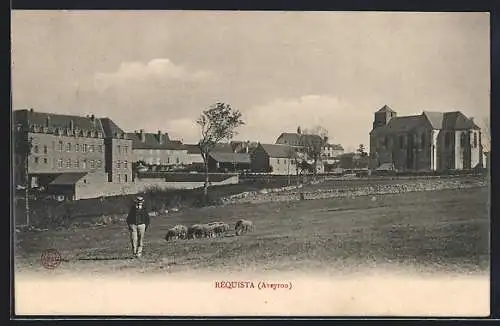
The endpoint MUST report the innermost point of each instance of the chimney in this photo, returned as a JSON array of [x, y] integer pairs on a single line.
[[143, 136], [31, 110], [160, 137], [92, 117]]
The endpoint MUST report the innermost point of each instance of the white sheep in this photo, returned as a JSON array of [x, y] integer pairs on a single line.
[[243, 226], [176, 232]]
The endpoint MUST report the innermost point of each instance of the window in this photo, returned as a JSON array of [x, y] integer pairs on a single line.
[[462, 139], [119, 149], [99, 148], [126, 149], [177, 160], [168, 160], [68, 147], [475, 140], [35, 149], [45, 161], [119, 177], [77, 164], [401, 141], [68, 163], [126, 178], [125, 164], [447, 139], [45, 149], [92, 164], [117, 164], [91, 148], [84, 164], [278, 161], [284, 161], [36, 160], [60, 148], [77, 147], [60, 163], [84, 148]]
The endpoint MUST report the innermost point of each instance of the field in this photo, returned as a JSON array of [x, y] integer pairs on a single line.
[[440, 230]]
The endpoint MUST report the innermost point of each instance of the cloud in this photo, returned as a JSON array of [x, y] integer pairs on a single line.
[[161, 69], [185, 130], [345, 122]]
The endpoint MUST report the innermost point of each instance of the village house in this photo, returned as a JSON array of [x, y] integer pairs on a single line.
[[157, 150], [194, 158], [431, 141], [331, 151], [228, 162], [274, 159], [305, 145]]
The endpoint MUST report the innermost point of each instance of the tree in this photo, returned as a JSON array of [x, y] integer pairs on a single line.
[[22, 149], [313, 141], [361, 150], [298, 162], [486, 126], [218, 122]]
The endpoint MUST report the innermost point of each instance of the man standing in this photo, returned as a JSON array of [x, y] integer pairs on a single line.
[[138, 223]]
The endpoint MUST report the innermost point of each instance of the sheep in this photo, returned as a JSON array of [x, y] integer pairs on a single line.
[[243, 226], [218, 228], [176, 232], [198, 231]]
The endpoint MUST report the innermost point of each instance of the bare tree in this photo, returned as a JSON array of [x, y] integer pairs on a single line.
[[218, 122], [486, 126]]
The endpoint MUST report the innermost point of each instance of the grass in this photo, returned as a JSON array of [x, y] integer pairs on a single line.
[[447, 230]]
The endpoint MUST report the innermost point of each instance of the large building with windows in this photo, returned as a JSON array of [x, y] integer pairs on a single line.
[[157, 149], [431, 141], [62, 144]]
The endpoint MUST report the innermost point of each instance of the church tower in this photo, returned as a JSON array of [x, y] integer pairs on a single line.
[[383, 116]]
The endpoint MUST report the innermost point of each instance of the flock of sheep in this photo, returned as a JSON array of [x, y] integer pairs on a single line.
[[207, 230]]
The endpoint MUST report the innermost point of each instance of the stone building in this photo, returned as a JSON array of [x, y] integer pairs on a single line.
[[70, 145], [274, 159], [156, 149], [431, 141]]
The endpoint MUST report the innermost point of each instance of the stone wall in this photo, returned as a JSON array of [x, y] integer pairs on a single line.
[[410, 185], [106, 189]]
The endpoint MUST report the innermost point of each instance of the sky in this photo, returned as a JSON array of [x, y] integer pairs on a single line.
[[158, 70]]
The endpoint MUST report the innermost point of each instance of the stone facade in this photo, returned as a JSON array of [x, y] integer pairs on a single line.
[[431, 141]]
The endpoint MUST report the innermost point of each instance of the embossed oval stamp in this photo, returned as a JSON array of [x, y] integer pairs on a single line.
[[51, 258]]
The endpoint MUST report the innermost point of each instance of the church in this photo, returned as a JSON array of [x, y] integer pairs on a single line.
[[430, 141]]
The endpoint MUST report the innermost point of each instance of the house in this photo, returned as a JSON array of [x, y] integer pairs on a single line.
[[243, 146], [118, 152], [228, 162], [59, 144], [157, 150], [350, 161], [273, 159], [310, 145], [431, 141], [331, 151], [300, 140], [75, 185]]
